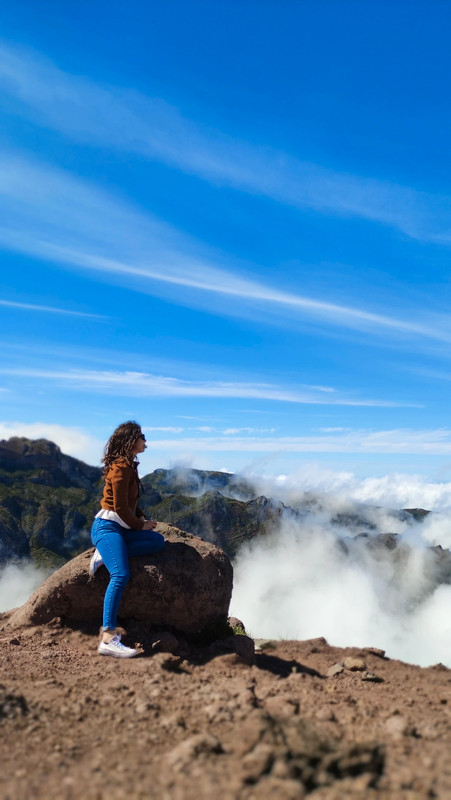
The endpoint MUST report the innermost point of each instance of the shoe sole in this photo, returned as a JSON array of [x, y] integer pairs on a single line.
[[117, 655]]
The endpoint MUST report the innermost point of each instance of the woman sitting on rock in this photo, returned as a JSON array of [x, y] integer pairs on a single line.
[[120, 529]]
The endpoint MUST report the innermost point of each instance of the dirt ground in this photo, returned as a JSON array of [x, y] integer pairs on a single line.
[[202, 724]]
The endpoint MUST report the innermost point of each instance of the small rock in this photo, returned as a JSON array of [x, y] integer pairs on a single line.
[[280, 788], [429, 731], [375, 651], [215, 710], [171, 663], [12, 705], [335, 669], [282, 707], [265, 644], [372, 677], [252, 731], [320, 641], [325, 714], [143, 706], [172, 721], [244, 648], [396, 726], [235, 623], [354, 663], [182, 755], [257, 762], [281, 768]]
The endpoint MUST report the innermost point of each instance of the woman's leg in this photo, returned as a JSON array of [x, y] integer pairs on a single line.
[[108, 537], [143, 543]]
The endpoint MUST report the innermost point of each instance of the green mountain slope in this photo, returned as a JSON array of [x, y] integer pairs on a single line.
[[48, 501]]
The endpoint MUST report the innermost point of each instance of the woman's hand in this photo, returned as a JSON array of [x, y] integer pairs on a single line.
[[149, 525]]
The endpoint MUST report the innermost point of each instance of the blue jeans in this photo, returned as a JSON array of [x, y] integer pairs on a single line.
[[116, 545]]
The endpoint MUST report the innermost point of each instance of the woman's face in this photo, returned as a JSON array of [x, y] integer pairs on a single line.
[[140, 445]]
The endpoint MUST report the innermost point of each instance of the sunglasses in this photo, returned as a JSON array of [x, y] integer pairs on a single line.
[[143, 437]]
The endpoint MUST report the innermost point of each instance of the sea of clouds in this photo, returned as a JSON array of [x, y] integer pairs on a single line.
[[17, 583], [298, 583]]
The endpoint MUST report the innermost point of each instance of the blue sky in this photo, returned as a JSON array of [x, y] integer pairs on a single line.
[[231, 222]]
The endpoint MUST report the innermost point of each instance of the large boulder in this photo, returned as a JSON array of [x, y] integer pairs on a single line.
[[186, 587]]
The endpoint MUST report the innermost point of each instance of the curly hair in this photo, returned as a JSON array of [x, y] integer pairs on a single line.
[[121, 444]]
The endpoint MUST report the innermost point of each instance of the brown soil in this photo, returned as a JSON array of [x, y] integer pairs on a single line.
[[204, 724]]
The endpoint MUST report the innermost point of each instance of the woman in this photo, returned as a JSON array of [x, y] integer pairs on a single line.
[[120, 529]]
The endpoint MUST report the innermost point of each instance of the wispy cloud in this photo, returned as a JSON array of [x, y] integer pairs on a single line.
[[118, 117], [144, 384], [54, 216], [207, 278], [46, 309], [397, 441], [163, 429], [234, 431], [208, 429], [335, 429]]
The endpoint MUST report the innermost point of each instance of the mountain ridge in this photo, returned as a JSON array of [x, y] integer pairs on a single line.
[[48, 500]]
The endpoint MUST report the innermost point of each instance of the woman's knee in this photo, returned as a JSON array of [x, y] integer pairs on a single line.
[[156, 542]]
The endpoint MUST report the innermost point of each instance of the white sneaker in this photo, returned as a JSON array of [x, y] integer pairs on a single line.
[[96, 562], [116, 649]]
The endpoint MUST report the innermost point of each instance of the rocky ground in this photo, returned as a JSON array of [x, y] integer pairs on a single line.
[[304, 720]]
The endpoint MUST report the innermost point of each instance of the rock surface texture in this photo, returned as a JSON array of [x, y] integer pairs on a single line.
[[186, 587]]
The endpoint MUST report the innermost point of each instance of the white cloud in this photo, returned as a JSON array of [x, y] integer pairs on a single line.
[[394, 490], [332, 429], [164, 430], [148, 385], [404, 441], [234, 431], [54, 216], [46, 309], [73, 441], [121, 118], [298, 584], [17, 583]]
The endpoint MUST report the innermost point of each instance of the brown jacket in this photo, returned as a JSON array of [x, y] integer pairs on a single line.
[[121, 492]]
